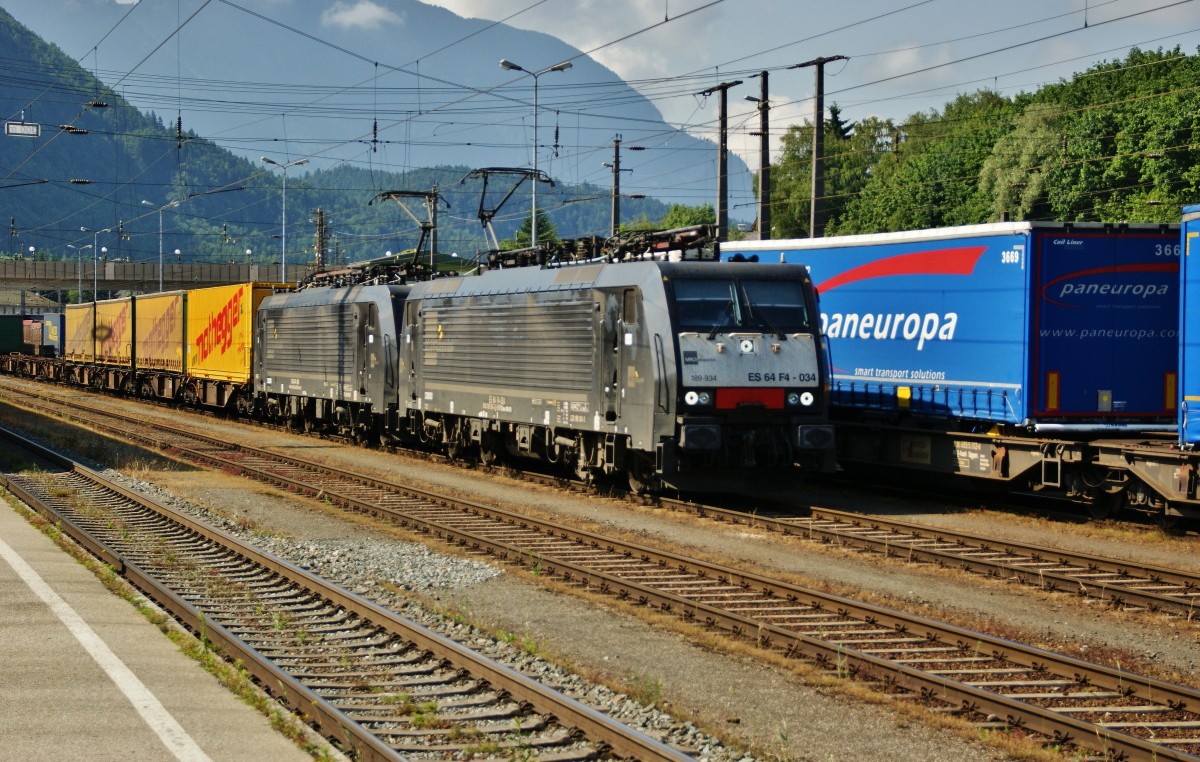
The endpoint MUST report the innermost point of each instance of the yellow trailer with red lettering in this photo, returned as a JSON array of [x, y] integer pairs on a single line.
[[114, 345], [114, 332], [159, 346], [79, 343], [219, 336]]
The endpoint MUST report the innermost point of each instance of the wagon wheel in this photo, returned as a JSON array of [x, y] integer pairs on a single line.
[[490, 449], [1168, 522], [1105, 504]]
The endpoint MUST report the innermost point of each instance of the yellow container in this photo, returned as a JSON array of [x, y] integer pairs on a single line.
[[114, 332], [158, 331], [220, 330], [79, 343]]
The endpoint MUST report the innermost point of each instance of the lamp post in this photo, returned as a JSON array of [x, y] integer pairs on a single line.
[[95, 258], [160, 241], [507, 64], [170, 204], [283, 238], [79, 271]]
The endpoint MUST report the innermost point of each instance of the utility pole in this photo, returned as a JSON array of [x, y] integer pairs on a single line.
[[616, 192], [321, 238], [431, 206], [616, 202], [764, 160], [816, 216], [722, 156]]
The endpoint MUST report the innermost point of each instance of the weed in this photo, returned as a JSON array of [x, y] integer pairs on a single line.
[[647, 689]]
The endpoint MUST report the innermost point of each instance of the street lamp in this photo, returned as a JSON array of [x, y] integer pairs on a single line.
[[170, 204], [95, 258], [283, 238], [160, 240], [78, 271], [507, 64]]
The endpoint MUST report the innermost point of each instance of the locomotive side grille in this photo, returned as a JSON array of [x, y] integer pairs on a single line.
[[304, 340], [535, 346]]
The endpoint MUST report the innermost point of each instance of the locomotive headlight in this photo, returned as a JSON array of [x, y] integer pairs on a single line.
[[691, 398], [705, 398], [698, 399], [798, 399]]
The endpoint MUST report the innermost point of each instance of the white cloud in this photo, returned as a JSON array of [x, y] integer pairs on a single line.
[[362, 14]]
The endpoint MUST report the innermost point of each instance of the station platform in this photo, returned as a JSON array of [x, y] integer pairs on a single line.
[[83, 675]]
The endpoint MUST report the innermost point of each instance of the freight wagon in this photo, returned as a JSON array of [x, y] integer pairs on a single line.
[[12, 333], [194, 346], [54, 328], [997, 351], [219, 344]]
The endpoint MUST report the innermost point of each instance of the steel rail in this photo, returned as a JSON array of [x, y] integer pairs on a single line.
[[1117, 581], [969, 698], [619, 739]]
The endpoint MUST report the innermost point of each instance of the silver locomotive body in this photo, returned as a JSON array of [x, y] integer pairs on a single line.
[[327, 359], [680, 374]]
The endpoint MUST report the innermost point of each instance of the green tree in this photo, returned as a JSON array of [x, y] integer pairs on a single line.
[[934, 181], [523, 237], [683, 216], [1016, 175], [851, 160]]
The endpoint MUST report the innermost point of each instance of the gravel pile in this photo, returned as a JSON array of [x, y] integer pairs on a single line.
[[365, 566]]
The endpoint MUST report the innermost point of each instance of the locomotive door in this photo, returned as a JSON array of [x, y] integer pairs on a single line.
[[626, 358], [610, 360], [368, 321]]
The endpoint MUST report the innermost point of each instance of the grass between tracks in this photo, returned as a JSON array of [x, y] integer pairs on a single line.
[[674, 699], [654, 690], [231, 675]]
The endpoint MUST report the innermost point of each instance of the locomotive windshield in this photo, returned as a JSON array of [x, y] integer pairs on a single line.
[[737, 304]]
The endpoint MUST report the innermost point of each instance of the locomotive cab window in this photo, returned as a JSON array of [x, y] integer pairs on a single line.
[[723, 305]]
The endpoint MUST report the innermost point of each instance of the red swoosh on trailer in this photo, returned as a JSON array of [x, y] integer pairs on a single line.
[[958, 261]]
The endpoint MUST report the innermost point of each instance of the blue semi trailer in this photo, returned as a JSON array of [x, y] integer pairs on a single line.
[[1189, 328], [998, 351]]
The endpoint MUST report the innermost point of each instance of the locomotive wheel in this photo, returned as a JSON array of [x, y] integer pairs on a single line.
[[640, 476]]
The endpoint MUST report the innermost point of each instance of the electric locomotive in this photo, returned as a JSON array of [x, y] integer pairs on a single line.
[[688, 375]]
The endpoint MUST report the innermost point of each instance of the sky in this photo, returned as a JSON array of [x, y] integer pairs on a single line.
[[900, 57], [904, 56]]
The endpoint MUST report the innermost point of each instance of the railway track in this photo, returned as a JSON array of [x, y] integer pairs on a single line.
[[382, 687], [1122, 583], [991, 681]]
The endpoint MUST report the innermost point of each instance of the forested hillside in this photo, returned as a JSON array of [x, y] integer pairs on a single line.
[[1117, 143], [103, 165]]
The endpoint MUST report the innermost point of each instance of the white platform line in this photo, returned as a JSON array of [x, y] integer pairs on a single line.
[[172, 734]]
